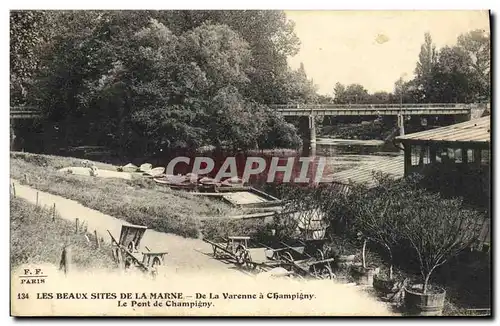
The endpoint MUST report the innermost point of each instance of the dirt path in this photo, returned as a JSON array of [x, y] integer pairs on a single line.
[[192, 256], [184, 255]]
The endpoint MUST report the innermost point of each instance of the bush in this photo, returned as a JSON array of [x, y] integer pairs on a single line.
[[401, 214]]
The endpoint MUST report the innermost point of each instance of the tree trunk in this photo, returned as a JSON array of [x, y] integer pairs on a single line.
[[426, 282], [363, 257], [390, 263]]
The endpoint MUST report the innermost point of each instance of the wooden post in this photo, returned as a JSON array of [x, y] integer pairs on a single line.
[[26, 180], [407, 158], [65, 263], [432, 153], [465, 157], [37, 198], [96, 240], [54, 212], [76, 225], [14, 189]]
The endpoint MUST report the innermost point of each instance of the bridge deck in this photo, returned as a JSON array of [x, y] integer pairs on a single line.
[[25, 112], [372, 109]]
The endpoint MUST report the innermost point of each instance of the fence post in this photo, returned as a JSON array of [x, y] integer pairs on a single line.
[[96, 239], [76, 225], [14, 189], [54, 212], [37, 198], [65, 259]]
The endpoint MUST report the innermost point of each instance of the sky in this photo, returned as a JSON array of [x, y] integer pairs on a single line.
[[372, 48]]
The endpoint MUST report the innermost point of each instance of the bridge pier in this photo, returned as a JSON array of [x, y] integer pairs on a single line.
[[307, 129], [401, 124], [12, 135]]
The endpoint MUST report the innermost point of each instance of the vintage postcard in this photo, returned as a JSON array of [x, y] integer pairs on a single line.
[[250, 163]]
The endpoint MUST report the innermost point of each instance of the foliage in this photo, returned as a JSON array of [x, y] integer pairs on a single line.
[[453, 74], [146, 81], [402, 215], [377, 213], [26, 36], [438, 229]]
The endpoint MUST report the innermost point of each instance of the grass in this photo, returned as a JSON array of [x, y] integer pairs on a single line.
[[56, 162], [216, 229], [136, 201], [36, 238]]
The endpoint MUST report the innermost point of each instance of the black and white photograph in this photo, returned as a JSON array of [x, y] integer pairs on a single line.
[[256, 163]]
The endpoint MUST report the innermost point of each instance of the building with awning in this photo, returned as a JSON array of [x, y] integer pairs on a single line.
[[456, 157]]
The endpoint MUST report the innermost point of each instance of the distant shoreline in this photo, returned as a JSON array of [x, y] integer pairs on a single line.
[[355, 142]]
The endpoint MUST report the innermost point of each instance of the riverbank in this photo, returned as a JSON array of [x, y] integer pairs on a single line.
[[38, 237], [138, 201]]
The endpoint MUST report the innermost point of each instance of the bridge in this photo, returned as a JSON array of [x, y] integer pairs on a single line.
[[307, 113], [31, 112], [372, 109], [25, 112]]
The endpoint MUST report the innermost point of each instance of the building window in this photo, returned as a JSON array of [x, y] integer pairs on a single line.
[[420, 155], [458, 155], [470, 156], [485, 157], [440, 154], [451, 154]]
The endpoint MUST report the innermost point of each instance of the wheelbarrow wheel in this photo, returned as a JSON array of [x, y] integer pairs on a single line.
[[131, 246], [327, 273], [156, 262], [241, 254], [288, 256]]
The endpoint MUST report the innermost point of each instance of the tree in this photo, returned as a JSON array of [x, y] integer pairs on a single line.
[[438, 229], [376, 215], [339, 96], [381, 98], [427, 60], [453, 81], [459, 73], [476, 44], [141, 81], [271, 40], [295, 87], [352, 94], [27, 34]]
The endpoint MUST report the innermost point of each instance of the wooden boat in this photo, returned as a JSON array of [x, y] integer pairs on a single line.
[[145, 167], [180, 182], [232, 182], [130, 168], [156, 172]]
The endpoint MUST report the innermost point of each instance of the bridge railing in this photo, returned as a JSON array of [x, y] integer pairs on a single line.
[[22, 108], [362, 106]]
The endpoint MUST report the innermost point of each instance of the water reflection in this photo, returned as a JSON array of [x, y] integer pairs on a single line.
[[309, 166]]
